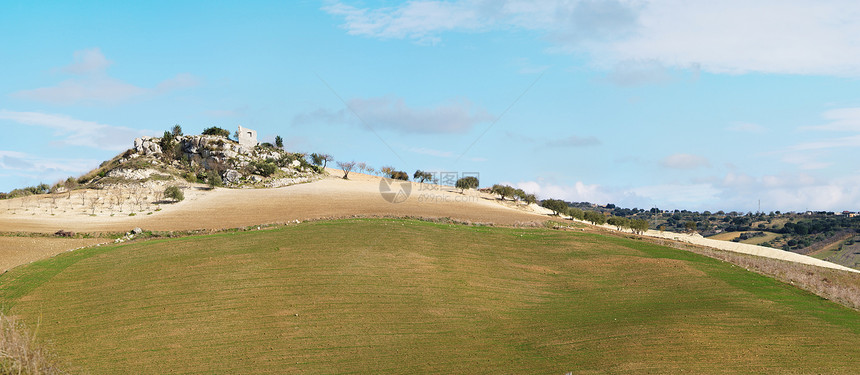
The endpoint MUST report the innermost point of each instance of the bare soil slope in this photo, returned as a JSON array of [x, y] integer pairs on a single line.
[[230, 208], [15, 251]]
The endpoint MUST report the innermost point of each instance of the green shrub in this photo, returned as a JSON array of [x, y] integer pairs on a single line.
[[214, 179], [190, 177], [265, 169], [217, 131], [174, 193]]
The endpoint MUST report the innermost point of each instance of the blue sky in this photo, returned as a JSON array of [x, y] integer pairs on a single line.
[[670, 104]]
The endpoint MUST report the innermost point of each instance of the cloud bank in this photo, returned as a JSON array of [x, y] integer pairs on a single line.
[[391, 113], [92, 84], [730, 36], [74, 132]]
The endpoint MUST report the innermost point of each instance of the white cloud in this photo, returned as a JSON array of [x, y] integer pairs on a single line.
[[852, 141], [178, 82], [737, 36], [812, 153], [21, 169], [805, 161], [19, 161], [730, 36], [93, 85], [76, 132], [635, 73], [91, 89], [394, 114], [418, 20], [678, 195], [685, 161], [842, 119], [88, 61], [578, 192], [735, 191], [790, 192]]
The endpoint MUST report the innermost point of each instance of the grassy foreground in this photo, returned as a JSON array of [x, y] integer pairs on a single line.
[[397, 296]]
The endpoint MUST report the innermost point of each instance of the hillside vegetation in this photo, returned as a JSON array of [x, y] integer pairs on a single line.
[[211, 158], [398, 296]]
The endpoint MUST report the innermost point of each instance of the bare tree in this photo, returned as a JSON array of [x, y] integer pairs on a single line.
[[139, 197], [83, 197], [346, 167], [115, 199], [159, 196], [94, 202], [70, 184]]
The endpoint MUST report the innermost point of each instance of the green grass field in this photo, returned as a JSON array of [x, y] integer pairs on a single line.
[[398, 296]]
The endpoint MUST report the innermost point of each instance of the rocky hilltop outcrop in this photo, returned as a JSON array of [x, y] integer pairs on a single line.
[[212, 159]]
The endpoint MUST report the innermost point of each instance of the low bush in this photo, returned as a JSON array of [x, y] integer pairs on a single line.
[[174, 193], [265, 168], [214, 179], [216, 131]]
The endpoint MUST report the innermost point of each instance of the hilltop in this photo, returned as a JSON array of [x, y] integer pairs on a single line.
[[211, 157], [267, 278]]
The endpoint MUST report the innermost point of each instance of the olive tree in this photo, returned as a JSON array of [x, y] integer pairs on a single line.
[[174, 193], [422, 176], [594, 217], [468, 182], [502, 190], [617, 221], [557, 206], [639, 226]]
